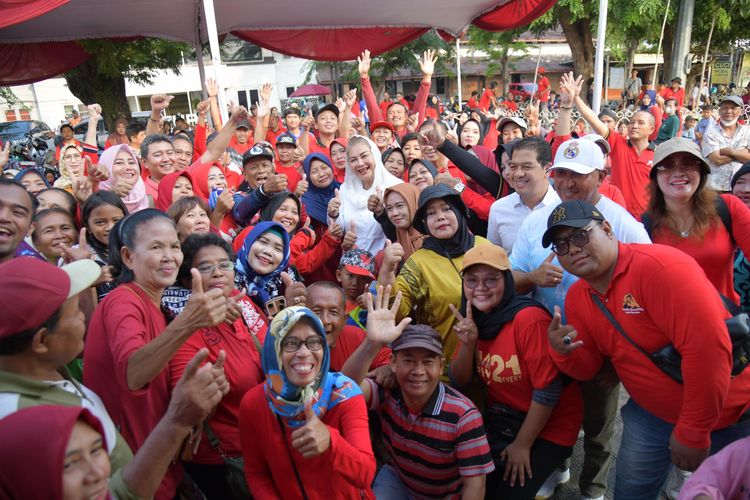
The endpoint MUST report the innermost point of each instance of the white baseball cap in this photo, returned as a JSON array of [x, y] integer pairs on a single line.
[[582, 156]]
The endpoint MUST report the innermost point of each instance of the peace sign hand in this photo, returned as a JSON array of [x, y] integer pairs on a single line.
[[466, 330]]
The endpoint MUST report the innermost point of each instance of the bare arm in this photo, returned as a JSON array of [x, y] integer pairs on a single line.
[[568, 89], [345, 123], [95, 114], [462, 366], [263, 110], [304, 136], [215, 148], [586, 112], [474, 487], [719, 159], [212, 88]]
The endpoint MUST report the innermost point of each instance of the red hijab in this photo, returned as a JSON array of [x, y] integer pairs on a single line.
[[34, 442], [166, 186], [200, 171]]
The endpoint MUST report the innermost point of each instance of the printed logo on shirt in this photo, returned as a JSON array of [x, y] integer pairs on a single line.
[[630, 306], [491, 367]]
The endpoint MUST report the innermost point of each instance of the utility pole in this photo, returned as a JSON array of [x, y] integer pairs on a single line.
[[681, 47]]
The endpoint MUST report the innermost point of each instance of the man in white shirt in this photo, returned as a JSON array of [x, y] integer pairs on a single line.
[[532, 156], [725, 144], [578, 171]]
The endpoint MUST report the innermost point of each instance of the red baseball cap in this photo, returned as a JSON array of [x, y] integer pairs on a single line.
[[387, 125], [33, 290]]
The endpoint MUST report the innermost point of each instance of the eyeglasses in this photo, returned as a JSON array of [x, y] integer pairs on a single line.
[[208, 269], [686, 168], [579, 238], [472, 282], [312, 343]]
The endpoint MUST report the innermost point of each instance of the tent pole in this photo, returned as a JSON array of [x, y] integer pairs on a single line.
[[213, 43], [201, 69], [458, 71], [601, 32]]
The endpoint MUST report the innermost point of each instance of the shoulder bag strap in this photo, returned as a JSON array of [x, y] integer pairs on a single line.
[[614, 322], [291, 459], [722, 210]]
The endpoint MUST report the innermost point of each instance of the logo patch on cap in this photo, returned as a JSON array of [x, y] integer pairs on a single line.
[[558, 215], [571, 151], [595, 213], [257, 150]]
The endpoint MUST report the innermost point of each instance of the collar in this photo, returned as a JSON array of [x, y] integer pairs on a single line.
[[651, 145], [434, 404]]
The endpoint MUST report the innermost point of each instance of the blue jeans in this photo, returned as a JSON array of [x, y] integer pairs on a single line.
[[644, 460], [388, 485]]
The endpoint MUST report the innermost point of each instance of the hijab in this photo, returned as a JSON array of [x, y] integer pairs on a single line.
[[652, 95], [489, 324], [38, 437], [65, 180], [340, 175], [288, 400], [353, 194], [275, 202], [27, 171], [165, 193], [410, 239], [115, 138], [135, 200], [316, 199], [482, 133], [462, 240], [427, 164], [260, 286]]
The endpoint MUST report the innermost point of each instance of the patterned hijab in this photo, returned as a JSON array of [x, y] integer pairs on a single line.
[[286, 399], [257, 284]]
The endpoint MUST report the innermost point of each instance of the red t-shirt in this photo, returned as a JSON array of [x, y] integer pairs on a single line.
[[344, 471], [660, 296], [124, 322], [315, 146], [472, 103], [612, 192], [486, 100], [630, 172], [243, 371], [714, 252], [271, 135], [241, 148], [658, 115], [384, 107], [516, 362], [543, 90], [347, 342]]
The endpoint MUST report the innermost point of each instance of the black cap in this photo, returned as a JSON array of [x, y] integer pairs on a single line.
[[677, 79], [573, 213], [286, 138], [244, 124], [257, 150], [744, 169], [608, 112], [433, 193], [328, 107]]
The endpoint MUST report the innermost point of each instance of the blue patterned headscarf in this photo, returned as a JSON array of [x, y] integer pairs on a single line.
[[316, 199], [245, 276], [286, 399]]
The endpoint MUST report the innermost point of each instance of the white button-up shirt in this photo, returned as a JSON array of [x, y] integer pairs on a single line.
[[713, 140], [508, 213]]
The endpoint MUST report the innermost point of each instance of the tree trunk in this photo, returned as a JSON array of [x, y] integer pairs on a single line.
[[666, 49], [504, 71], [578, 36], [632, 48], [90, 87]]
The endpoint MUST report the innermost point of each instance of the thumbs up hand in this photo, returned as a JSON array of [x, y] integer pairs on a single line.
[[375, 201], [203, 309], [334, 205], [302, 186], [350, 238], [313, 438]]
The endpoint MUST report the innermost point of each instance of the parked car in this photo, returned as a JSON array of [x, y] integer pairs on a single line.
[[101, 132], [522, 89], [17, 130]]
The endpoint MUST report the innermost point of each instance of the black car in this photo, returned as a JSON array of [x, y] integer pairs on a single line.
[[15, 131]]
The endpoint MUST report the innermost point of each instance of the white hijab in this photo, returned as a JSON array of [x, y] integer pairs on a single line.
[[354, 198]]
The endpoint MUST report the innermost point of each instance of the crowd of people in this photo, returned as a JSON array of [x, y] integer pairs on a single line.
[[293, 305]]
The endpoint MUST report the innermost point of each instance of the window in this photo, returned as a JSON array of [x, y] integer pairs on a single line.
[[231, 50], [254, 97], [290, 91], [440, 86], [242, 98]]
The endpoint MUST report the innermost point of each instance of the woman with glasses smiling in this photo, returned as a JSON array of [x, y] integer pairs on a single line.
[[532, 421], [684, 212], [235, 340], [304, 431]]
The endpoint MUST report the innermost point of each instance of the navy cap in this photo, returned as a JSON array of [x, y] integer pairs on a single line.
[[573, 213]]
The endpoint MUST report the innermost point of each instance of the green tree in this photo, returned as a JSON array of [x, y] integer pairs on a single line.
[[498, 46], [101, 79]]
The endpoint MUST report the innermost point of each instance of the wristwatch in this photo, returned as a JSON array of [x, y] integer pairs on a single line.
[[459, 187]]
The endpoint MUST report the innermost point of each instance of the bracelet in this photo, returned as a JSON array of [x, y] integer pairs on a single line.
[[563, 107], [152, 120]]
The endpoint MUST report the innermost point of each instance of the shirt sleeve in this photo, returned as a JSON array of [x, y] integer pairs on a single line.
[[408, 283], [126, 334], [420, 102], [373, 109], [740, 222], [533, 347], [472, 449], [493, 225], [477, 203], [246, 206], [710, 142]]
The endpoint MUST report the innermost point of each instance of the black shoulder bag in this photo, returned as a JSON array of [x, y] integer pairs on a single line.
[[234, 467], [669, 360]]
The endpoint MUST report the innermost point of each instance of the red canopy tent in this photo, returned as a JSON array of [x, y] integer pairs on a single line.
[[311, 89], [36, 36]]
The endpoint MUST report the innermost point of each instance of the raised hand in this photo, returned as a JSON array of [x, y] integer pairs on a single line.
[[212, 89], [307, 123], [358, 125], [350, 98], [203, 107], [334, 206], [5, 154], [350, 238], [95, 112], [295, 292], [427, 62], [335, 231], [363, 64], [160, 102], [71, 254], [302, 186], [571, 85], [234, 309], [203, 309], [341, 104], [562, 337], [393, 253], [238, 113], [431, 135], [452, 134], [466, 330], [195, 395], [263, 108], [313, 438], [381, 320], [83, 188], [412, 122]]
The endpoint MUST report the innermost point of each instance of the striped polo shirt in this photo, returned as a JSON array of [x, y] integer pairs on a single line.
[[432, 450]]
